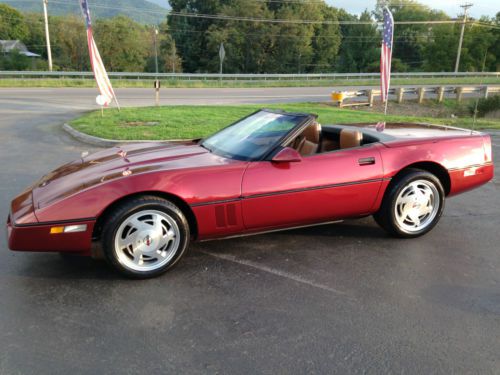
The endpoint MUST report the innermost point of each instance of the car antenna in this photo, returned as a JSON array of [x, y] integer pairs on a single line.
[[474, 118]]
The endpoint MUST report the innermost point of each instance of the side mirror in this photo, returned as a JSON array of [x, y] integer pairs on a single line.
[[287, 155]]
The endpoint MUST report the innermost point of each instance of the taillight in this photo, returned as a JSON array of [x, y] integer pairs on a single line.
[[488, 152]]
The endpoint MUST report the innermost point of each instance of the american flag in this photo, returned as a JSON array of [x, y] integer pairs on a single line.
[[386, 55], [100, 74]]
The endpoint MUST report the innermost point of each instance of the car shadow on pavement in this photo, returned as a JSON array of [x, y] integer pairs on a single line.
[[69, 267], [55, 266], [353, 228]]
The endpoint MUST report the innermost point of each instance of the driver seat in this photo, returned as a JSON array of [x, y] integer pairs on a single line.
[[309, 140]]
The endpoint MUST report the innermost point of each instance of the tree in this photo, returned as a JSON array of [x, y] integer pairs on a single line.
[[14, 61], [360, 48], [12, 24], [479, 44], [190, 34], [249, 46], [168, 59], [326, 42], [69, 43], [256, 47], [294, 53], [440, 51], [124, 44], [410, 40]]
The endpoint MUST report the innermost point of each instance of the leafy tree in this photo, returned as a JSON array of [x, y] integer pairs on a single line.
[[476, 48], [326, 42], [440, 51], [238, 36], [294, 53], [168, 59], [69, 43], [14, 61], [12, 24], [360, 48], [410, 40], [35, 41], [124, 44], [190, 34]]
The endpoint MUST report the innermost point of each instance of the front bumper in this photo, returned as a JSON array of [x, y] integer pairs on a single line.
[[37, 237]]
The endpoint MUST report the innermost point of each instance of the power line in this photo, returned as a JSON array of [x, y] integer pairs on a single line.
[[255, 19]]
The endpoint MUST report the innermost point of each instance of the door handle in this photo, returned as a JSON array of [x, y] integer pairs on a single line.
[[366, 161]]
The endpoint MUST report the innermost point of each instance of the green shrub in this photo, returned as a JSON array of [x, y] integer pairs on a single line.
[[486, 106]]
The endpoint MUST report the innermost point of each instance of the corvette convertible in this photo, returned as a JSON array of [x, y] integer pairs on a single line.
[[144, 203]]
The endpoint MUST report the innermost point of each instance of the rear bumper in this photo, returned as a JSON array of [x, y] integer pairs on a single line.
[[37, 237], [465, 179]]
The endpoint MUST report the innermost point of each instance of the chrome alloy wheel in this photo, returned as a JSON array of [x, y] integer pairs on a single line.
[[147, 240], [416, 206]]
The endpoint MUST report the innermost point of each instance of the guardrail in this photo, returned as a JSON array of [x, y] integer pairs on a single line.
[[419, 93], [242, 77]]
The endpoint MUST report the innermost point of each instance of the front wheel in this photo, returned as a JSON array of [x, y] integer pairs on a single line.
[[412, 205], [145, 237]]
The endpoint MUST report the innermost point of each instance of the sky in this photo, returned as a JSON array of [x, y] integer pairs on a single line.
[[452, 7]]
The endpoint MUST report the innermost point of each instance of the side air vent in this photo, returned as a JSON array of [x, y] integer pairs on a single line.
[[225, 215], [231, 214]]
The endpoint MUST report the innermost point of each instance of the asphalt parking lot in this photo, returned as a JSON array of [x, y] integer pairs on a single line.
[[342, 298]]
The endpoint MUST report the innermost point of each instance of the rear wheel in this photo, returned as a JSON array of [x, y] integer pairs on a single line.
[[412, 205], [145, 237]]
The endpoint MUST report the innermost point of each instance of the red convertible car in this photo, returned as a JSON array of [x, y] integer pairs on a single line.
[[271, 170]]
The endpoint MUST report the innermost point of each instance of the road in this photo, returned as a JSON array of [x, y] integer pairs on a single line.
[[84, 98], [341, 298]]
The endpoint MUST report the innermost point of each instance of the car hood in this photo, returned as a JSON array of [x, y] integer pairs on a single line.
[[119, 162]]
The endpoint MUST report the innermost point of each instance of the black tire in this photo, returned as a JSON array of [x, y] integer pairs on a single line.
[[386, 215], [127, 210]]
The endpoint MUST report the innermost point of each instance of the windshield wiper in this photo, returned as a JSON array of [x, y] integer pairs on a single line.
[[206, 147]]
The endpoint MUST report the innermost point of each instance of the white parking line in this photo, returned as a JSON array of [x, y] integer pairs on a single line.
[[261, 267]]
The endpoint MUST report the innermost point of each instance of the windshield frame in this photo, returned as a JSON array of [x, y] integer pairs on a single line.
[[306, 120]]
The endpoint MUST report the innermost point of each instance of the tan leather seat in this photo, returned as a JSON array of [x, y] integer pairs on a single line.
[[309, 140], [350, 138]]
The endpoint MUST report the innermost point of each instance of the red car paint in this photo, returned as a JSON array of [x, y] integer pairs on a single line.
[[229, 197]]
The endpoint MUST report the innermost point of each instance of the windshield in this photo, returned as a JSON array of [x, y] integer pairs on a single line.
[[254, 136]]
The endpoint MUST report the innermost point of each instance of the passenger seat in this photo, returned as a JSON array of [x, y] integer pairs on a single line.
[[350, 138]]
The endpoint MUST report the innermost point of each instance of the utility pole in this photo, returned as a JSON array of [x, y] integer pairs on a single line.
[[465, 7], [173, 57], [155, 34], [157, 81], [47, 36], [222, 56]]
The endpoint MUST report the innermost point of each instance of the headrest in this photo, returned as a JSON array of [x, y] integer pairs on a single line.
[[350, 138], [312, 132]]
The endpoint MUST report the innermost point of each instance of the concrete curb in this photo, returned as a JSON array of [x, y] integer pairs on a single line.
[[102, 142]]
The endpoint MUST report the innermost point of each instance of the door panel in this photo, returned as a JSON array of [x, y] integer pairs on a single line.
[[319, 188]]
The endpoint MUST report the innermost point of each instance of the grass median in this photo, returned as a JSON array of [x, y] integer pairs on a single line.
[[185, 122]]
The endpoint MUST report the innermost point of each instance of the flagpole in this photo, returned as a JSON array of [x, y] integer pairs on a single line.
[[386, 103], [117, 104], [101, 76], [386, 94]]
